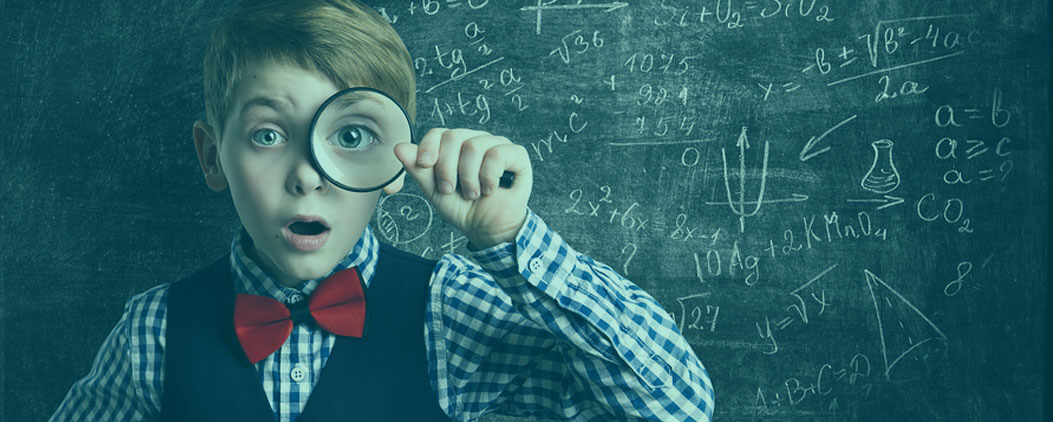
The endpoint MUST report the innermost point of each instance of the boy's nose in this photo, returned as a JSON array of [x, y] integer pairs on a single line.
[[304, 179]]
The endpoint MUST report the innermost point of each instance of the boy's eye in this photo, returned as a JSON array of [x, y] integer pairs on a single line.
[[352, 137], [267, 137]]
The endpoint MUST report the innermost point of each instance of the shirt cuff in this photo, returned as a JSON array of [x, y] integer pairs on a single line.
[[539, 257]]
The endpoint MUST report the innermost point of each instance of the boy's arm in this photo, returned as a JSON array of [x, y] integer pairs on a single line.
[[538, 329], [113, 389]]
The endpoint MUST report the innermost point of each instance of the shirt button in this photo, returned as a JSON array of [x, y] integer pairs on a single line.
[[298, 373], [535, 265], [295, 298]]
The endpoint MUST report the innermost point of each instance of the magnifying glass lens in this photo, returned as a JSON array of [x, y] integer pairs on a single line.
[[353, 139]]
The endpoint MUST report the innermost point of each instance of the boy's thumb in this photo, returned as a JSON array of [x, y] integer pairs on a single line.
[[425, 177]]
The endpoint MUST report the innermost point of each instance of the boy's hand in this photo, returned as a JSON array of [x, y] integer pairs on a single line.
[[459, 171]]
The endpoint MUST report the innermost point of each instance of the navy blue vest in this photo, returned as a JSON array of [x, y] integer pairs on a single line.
[[381, 377]]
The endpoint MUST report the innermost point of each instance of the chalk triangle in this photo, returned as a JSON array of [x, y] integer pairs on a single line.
[[911, 344]]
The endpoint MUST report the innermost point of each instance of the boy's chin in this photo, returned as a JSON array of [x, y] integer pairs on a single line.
[[297, 269]]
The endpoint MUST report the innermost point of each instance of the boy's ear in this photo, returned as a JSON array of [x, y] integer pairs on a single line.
[[207, 146], [396, 185]]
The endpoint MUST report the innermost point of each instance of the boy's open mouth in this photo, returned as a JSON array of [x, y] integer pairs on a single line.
[[308, 228], [306, 232]]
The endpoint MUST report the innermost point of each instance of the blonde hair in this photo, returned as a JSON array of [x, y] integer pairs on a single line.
[[343, 40]]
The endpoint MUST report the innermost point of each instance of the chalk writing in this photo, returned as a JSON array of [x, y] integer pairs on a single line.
[[952, 213], [743, 144], [827, 379], [697, 312], [717, 262], [403, 218], [881, 154], [798, 309]]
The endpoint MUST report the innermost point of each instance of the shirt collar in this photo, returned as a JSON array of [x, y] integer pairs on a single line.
[[250, 278]]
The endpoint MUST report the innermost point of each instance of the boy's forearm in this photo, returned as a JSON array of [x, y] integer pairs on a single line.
[[588, 305]]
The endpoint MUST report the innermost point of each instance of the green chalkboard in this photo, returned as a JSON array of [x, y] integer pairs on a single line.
[[844, 205]]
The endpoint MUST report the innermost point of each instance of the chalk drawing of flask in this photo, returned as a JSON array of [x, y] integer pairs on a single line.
[[883, 176]]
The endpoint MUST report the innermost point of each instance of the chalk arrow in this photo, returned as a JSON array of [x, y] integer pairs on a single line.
[[743, 141], [794, 197], [609, 7], [888, 201], [808, 154]]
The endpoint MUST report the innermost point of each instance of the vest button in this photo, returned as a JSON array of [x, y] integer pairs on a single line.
[[298, 373]]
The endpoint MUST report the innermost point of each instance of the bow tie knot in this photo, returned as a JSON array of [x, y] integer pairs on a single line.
[[300, 312], [338, 306]]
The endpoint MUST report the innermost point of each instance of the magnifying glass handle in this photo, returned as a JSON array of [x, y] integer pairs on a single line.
[[507, 178]]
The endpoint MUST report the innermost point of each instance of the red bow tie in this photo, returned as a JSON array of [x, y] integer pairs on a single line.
[[263, 324]]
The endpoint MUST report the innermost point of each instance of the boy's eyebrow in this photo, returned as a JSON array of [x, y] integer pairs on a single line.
[[346, 102], [369, 100], [277, 104]]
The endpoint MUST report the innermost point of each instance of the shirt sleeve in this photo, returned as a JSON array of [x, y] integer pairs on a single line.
[[124, 383], [536, 329]]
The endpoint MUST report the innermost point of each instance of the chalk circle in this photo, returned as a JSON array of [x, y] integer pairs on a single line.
[[403, 218]]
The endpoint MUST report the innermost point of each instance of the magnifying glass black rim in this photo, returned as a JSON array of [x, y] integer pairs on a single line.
[[314, 121]]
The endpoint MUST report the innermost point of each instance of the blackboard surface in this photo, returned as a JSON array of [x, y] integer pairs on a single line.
[[845, 205]]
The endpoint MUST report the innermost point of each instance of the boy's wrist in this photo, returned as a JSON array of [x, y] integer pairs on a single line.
[[477, 241], [537, 256]]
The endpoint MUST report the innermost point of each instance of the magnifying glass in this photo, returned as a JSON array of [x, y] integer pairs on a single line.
[[353, 138]]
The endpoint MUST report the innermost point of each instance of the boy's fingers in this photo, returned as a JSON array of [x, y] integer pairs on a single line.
[[428, 150], [473, 152], [446, 161], [468, 168], [501, 158], [490, 172], [409, 155], [449, 156]]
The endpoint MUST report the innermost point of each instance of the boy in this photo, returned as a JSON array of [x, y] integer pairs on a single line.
[[523, 326]]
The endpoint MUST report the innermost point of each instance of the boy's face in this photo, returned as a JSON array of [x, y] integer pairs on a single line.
[[302, 226]]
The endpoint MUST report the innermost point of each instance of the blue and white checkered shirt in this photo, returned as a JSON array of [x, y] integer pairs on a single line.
[[530, 329]]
